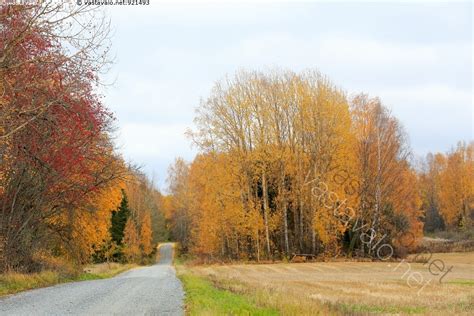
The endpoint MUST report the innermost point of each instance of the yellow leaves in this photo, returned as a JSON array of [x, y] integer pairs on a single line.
[[91, 223], [143, 200], [215, 206], [321, 227], [167, 206], [146, 235], [406, 200], [131, 241], [456, 184], [265, 137], [109, 198]]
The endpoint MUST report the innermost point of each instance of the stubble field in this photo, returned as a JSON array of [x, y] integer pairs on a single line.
[[354, 287]]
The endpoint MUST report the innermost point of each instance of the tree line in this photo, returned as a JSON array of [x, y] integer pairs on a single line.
[[447, 186], [283, 158], [60, 175]]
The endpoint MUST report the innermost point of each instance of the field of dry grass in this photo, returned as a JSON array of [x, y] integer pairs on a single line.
[[354, 287]]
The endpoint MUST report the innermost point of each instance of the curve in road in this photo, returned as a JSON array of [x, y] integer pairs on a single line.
[[153, 290]]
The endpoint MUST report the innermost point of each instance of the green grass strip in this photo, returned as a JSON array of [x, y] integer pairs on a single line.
[[202, 298]]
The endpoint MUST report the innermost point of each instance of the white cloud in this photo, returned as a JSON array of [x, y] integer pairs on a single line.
[[154, 140], [375, 53], [189, 13], [338, 51], [435, 116], [432, 97]]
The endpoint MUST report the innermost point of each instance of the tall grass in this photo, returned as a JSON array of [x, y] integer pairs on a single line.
[[13, 282]]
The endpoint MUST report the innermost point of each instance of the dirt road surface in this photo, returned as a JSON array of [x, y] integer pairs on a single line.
[[152, 290]]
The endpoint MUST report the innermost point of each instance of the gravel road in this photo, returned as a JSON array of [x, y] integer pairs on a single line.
[[153, 290]]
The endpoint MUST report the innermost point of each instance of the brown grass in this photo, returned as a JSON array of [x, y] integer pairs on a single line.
[[352, 287], [13, 282], [446, 245], [108, 269]]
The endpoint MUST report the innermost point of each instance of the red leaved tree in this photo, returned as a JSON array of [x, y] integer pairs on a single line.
[[54, 144]]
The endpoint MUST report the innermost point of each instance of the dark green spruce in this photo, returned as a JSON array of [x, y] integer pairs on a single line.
[[119, 219]]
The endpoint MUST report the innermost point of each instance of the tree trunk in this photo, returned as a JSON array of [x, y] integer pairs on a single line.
[[258, 246], [301, 221], [378, 193], [3, 261], [265, 211], [285, 212]]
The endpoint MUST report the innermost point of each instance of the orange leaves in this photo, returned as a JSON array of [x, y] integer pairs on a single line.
[[267, 139], [146, 235], [145, 206], [131, 241], [447, 189], [92, 221], [456, 186]]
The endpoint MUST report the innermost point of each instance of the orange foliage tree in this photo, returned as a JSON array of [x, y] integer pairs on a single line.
[[281, 155], [131, 241], [449, 186]]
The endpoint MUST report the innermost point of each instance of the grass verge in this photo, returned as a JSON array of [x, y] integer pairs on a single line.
[[203, 298], [272, 299], [11, 283]]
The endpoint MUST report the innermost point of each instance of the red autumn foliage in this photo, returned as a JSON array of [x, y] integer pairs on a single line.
[[55, 147]]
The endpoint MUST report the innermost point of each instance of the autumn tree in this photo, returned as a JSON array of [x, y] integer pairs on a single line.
[[456, 187], [56, 155], [91, 223], [387, 184], [131, 241], [146, 235], [145, 200], [141, 208], [119, 219], [179, 205], [281, 154], [430, 182]]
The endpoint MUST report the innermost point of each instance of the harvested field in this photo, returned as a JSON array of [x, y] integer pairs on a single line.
[[355, 287]]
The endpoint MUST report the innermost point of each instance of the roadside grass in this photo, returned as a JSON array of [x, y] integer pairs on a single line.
[[203, 298], [285, 303], [11, 283], [206, 295]]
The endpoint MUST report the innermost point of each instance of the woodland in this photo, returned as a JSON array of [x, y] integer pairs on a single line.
[[290, 164]]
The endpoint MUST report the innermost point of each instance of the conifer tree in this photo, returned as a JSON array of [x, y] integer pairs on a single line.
[[119, 220]]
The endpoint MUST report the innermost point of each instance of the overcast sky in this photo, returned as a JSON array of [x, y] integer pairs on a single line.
[[416, 57]]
